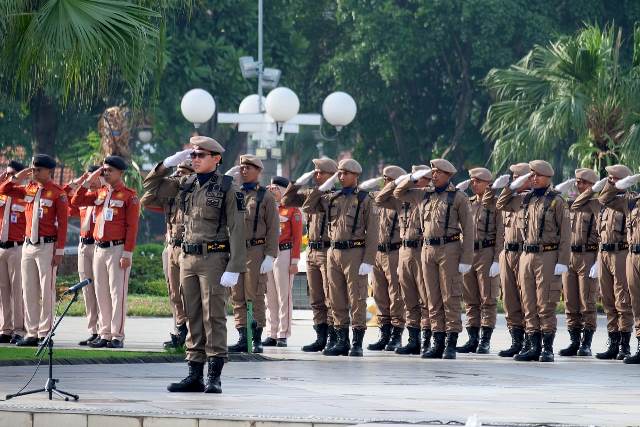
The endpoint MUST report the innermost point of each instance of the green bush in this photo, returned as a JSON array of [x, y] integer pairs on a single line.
[[147, 276]]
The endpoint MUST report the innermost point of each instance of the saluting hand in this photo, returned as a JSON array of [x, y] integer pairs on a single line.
[[94, 178], [23, 174]]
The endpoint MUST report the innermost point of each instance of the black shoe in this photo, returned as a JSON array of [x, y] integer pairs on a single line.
[[193, 383], [635, 359], [28, 342], [426, 341], [213, 376], [517, 339], [585, 344], [321, 339], [472, 343], [342, 346], [281, 342], [332, 337], [625, 348], [547, 347], [15, 339], [450, 346], [115, 343], [241, 345], [99, 343], [5, 339], [385, 336], [484, 347], [574, 337], [396, 339], [531, 351], [356, 344], [269, 342], [257, 338], [182, 334], [612, 347], [173, 343], [435, 351], [88, 340], [413, 344]]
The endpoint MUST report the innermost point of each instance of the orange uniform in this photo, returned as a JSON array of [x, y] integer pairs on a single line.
[[12, 217], [291, 230]]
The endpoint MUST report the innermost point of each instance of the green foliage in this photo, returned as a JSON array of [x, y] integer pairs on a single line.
[[146, 270]]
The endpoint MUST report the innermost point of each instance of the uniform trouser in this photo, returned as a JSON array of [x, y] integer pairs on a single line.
[[444, 286], [85, 271], [386, 289], [11, 302], [279, 297], [480, 292], [413, 289], [252, 286], [112, 286], [580, 292], [318, 281], [633, 278], [38, 288], [540, 290], [204, 304], [615, 291], [511, 293], [347, 289], [172, 275]]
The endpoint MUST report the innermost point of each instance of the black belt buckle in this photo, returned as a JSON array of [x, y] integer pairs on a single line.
[[531, 249], [191, 249], [319, 244], [285, 246], [411, 243], [634, 249], [613, 247], [256, 242], [389, 247], [87, 240], [176, 243], [512, 247], [485, 243]]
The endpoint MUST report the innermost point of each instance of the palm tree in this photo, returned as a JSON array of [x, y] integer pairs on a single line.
[[576, 91]]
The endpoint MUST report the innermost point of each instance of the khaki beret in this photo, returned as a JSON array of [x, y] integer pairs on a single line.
[[443, 165], [541, 168], [186, 165], [587, 174], [250, 159], [350, 165], [325, 165], [416, 168], [619, 171], [393, 172], [206, 143], [520, 169], [482, 174]]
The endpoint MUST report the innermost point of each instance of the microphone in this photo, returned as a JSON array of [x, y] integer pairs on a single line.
[[78, 286]]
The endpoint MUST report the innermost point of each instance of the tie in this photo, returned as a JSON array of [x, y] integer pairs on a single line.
[[100, 221], [4, 236], [35, 218], [86, 222]]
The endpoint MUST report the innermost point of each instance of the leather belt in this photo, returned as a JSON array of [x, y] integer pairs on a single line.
[[45, 239], [584, 248], [389, 247], [347, 244], [540, 248], [109, 243], [285, 246], [319, 244], [513, 247], [10, 244], [613, 247], [176, 243], [481, 244], [438, 241], [87, 240], [634, 249], [412, 243], [256, 242], [204, 248]]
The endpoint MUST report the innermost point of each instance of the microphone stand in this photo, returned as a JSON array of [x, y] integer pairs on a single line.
[[50, 386]]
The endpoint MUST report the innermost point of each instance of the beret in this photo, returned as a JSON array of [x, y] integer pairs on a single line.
[[92, 168], [619, 171], [393, 172], [443, 165], [483, 174], [350, 165], [587, 174], [520, 169], [416, 168], [541, 167], [250, 159], [117, 162], [15, 165], [280, 181], [325, 165], [44, 161]]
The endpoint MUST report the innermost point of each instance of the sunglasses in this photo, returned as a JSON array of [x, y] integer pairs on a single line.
[[199, 154]]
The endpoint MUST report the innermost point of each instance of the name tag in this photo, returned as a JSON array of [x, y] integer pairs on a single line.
[[28, 199], [40, 213], [14, 218], [116, 203], [17, 208], [46, 202], [107, 214]]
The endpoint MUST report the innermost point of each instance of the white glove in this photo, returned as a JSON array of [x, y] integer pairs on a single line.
[[420, 174], [494, 270], [267, 265], [565, 186], [598, 186], [464, 268], [228, 279], [175, 159], [371, 184], [463, 185], [401, 178], [627, 182], [518, 182], [365, 269], [328, 184], [594, 273], [304, 178], [500, 182], [560, 268], [234, 171]]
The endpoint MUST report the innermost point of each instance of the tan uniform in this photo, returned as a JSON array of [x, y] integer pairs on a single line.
[[547, 234], [354, 240], [627, 205], [213, 243], [318, 233], [481, 292], [509, 261], [445, 220], [12, 229], [261, 227], [413, 289], [581, 291]]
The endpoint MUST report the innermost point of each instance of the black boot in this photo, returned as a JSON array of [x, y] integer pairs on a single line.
[[193, 383], [572, 350], [635, 359], [450, 347], [342, 344], [534, 349], [435, 352], [356, 344], [426, 340], [269, 342], [321, 338], [385, 336], [625, 348], [257, 338], [213, 376], [547, 347], [517, 338], [472, 343], [585, 344], [332, 337], [612, 347], [396, 339], [485, 340], [241, 345], [413, 345], [167, 345], [182, 334]]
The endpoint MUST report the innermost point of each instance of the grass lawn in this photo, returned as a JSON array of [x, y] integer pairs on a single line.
[[137, 305], [14, 353]]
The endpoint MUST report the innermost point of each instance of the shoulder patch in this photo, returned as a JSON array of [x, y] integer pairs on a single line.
[[297, 217], [63, 197], [134, 200], [240, 201]]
